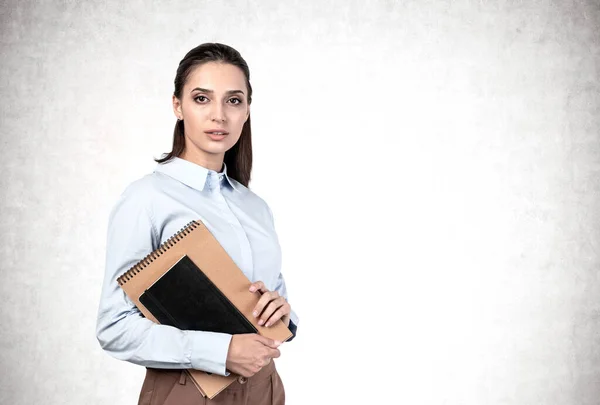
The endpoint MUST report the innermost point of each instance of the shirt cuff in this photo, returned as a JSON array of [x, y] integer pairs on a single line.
[[209, 351], [294, 318]]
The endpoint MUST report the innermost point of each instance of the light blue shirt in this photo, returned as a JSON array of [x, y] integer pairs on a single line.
[[148, 212]]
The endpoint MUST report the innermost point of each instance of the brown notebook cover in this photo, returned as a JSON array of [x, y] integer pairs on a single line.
[[196, 241]]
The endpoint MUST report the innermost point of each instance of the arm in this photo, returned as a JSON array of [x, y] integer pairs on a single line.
[[292, 320], [121, 329]]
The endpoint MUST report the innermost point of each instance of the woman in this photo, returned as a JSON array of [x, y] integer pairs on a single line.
[[204, 177]]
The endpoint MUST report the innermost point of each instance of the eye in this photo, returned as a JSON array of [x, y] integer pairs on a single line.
[[198, 96], [237, 99]]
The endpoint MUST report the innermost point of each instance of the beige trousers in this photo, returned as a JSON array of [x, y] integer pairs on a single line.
[[173, 387]]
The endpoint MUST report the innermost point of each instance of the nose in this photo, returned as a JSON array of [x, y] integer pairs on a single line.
[[218, 113]]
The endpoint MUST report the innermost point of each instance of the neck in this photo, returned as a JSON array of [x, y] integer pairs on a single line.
[[212, 162]]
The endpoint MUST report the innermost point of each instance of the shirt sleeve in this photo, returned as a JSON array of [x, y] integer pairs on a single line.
[[121, 329], [281, 288]]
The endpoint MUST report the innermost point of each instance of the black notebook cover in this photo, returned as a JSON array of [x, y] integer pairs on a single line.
[[185, 298]]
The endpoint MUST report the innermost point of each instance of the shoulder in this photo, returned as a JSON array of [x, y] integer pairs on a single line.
[[247, 193], [141, 188], [136, 195]]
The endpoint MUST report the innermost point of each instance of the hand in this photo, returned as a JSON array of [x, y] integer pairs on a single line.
[[271, 307], [249, 352]]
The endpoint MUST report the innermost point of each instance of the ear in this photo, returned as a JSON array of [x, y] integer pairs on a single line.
[[177, 108], [247, 113]]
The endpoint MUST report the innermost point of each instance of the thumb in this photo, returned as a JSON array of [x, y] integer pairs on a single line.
[[274, 344]]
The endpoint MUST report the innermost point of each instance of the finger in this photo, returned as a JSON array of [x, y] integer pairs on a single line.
[[282, 311], [263, 302], [258, 286], [274, 353], [273, 344], [270, 309]]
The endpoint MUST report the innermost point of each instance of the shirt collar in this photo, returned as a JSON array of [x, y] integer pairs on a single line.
[[190, 173]]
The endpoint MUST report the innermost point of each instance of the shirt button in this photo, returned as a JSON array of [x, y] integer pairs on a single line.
[[242, 380]]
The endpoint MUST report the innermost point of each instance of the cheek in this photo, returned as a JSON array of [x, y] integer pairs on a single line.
[[240, 116], [233, 141], [198, 114], [237, 122]]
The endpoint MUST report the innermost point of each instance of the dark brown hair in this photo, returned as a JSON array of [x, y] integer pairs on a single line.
[[239, 158]]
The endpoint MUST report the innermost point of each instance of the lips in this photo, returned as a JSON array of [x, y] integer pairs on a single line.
[[216, 135], [216, 131]]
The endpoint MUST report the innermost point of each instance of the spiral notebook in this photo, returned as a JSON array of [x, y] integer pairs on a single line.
[[194, 254], [184, 292]]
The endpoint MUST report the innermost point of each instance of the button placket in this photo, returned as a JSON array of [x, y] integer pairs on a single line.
[[213, 183], [235, 224]]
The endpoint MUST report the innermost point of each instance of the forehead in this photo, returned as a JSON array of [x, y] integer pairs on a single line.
[[217, 76]]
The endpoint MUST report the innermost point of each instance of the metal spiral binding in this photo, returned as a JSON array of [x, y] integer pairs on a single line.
[[155, 254]]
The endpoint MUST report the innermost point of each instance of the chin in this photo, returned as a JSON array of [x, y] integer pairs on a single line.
[[216, 148]]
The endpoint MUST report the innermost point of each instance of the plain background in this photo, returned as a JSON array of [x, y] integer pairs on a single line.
[[433, 168]]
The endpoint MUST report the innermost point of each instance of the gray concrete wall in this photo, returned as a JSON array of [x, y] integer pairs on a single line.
[[433, 169]]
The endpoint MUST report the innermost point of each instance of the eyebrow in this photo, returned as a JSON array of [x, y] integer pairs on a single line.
[[211, 92]]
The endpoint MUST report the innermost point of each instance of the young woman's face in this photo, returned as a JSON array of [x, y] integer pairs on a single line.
[[214, 98]]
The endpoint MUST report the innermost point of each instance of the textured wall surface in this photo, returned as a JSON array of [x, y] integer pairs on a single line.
[[433, 168]]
